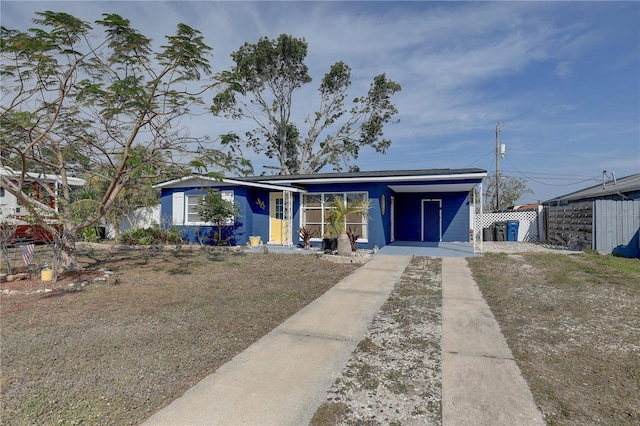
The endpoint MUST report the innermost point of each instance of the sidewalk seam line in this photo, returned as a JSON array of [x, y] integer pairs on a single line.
[[472, 354], [318, 336]]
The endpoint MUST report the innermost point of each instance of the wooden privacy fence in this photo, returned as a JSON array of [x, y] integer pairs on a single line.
[[570, 225], [611, 226]]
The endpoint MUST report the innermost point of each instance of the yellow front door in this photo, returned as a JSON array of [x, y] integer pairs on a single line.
[[276, 214]]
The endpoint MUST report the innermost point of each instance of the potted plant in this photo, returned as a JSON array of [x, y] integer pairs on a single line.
[[338, 220], [305, 235], [353, 239]]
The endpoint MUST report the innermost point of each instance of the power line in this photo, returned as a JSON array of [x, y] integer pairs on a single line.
[[537, 176], [515, 173], [475, 161], [559, 176], [550, 184]]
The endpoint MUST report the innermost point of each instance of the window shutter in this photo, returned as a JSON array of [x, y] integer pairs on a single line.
[[178, 208]]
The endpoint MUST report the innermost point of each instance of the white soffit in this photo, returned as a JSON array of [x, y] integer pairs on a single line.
[[382, 179], [205, 182], [445, 187], [264, 185]]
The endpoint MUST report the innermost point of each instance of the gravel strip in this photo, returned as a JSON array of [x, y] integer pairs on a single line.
[[394, 376], [511, 247]]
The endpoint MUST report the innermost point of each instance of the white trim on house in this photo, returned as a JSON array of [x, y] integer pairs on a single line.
[[194, 199], [176, 183], [324, 207], [400, 178], [392, 218], [208, 181], [445, 187], [264, 185]]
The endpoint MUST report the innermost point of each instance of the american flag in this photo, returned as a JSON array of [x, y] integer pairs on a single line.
[[27, 253]]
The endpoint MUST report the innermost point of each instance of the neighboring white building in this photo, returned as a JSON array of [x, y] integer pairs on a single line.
[[143, 217], [9, 205]]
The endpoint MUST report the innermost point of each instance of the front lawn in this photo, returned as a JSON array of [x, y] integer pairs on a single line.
[[117, 351], [573, 325]]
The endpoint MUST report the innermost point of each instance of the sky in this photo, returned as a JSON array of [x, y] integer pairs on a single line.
[[561, 78]]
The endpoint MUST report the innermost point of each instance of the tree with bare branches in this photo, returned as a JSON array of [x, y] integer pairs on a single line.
[[510, 190], [260, 87], [78, 102]]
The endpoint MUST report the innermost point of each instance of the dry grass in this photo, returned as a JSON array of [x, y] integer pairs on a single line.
[[573, 324], [118, 351], [115, 353]]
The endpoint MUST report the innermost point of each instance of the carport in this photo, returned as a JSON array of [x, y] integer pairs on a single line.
[[433, 217]]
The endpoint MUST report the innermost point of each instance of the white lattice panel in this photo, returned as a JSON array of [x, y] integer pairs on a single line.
[[527, 229]]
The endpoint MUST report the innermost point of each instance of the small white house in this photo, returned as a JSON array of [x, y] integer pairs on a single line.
[[33, 183]]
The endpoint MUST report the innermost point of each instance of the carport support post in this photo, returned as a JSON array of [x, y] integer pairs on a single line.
[[475, 222]]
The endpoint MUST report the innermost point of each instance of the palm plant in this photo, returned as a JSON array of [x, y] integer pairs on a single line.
[[337, 219]]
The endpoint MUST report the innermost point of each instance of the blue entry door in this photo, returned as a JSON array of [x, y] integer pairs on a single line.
[[431, 220]]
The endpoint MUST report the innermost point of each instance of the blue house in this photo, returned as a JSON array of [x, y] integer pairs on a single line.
[[406, 205]]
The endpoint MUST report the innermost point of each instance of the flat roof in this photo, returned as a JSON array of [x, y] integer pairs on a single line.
[[367, 175], [621, 185], [35, 177], [400, 179]]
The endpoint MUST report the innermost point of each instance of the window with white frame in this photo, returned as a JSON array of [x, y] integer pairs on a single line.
[[316, 209], [279, 208], [192, 201]]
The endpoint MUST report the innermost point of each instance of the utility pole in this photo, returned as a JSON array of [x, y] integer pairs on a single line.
[[497, 166]]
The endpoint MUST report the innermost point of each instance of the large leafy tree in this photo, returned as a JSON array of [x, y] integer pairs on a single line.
[[261, 87], [510, 190], [78, 101]]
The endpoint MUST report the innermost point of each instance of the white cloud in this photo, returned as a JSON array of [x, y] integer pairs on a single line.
[[463, 66]]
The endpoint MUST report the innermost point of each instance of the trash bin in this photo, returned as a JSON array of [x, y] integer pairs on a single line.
[[330, 244], [487, 234], [500, 233], [512, 230]]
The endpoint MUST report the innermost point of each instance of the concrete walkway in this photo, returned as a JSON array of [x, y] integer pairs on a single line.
[[481, 383], [282, 378]]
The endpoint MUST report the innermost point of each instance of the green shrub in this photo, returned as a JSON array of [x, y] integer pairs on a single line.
[[89, 235], [147, 240], [150, 235], [173, 235]]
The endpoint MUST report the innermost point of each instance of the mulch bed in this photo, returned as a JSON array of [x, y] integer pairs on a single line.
[[66, 280]]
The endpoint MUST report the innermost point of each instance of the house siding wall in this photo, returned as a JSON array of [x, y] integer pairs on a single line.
[[254, 219], [258, 204], [196, 234], [407, 216], [455, 217]]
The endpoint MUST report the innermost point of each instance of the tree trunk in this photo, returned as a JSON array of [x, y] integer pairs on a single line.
[[67, 248]]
